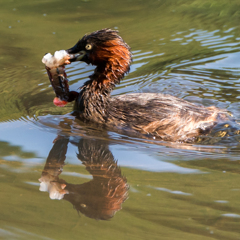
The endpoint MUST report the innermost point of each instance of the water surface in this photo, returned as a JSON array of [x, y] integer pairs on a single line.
[[144, 189]]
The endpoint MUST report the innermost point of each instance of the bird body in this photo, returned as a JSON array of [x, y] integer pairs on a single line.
[[154, 114]]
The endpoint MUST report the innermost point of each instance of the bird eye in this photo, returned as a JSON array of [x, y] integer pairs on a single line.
[[88, 47]]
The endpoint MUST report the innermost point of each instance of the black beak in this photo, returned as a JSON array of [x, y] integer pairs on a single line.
[[73, 50], [75, 54]]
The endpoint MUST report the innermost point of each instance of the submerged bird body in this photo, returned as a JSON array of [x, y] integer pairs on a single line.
[[158, 115]]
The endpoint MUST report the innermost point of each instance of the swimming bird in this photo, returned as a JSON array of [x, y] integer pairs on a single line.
[[154, 115]]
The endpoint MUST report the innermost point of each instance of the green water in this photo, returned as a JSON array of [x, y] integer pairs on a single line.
[[189, 49]]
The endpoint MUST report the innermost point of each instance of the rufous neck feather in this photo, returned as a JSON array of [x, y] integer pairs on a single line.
[[113, 61]]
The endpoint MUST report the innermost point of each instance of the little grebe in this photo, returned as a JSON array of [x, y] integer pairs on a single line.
[[154, 114]]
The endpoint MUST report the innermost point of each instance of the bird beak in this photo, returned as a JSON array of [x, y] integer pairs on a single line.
[[75, 55]]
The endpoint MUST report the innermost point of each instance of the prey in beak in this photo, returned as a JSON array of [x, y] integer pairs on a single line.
[[54, 65]]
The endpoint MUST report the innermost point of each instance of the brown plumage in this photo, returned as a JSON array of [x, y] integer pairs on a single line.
[[156, 115]]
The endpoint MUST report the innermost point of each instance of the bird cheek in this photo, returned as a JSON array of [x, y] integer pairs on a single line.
[[88, 58]]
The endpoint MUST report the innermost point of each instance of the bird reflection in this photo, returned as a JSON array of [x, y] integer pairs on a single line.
[[99, 198]]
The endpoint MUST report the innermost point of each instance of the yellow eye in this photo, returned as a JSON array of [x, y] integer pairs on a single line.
[[88, 47]]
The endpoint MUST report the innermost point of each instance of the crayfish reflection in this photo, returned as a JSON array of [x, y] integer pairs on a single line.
[[99, 198]]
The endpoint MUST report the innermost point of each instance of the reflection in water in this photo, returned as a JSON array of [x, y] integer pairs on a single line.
[[99, 198]]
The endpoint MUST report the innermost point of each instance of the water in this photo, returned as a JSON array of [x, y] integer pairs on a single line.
[[146, 189]]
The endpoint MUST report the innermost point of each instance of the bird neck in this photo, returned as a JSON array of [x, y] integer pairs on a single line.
[[93, 99]]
